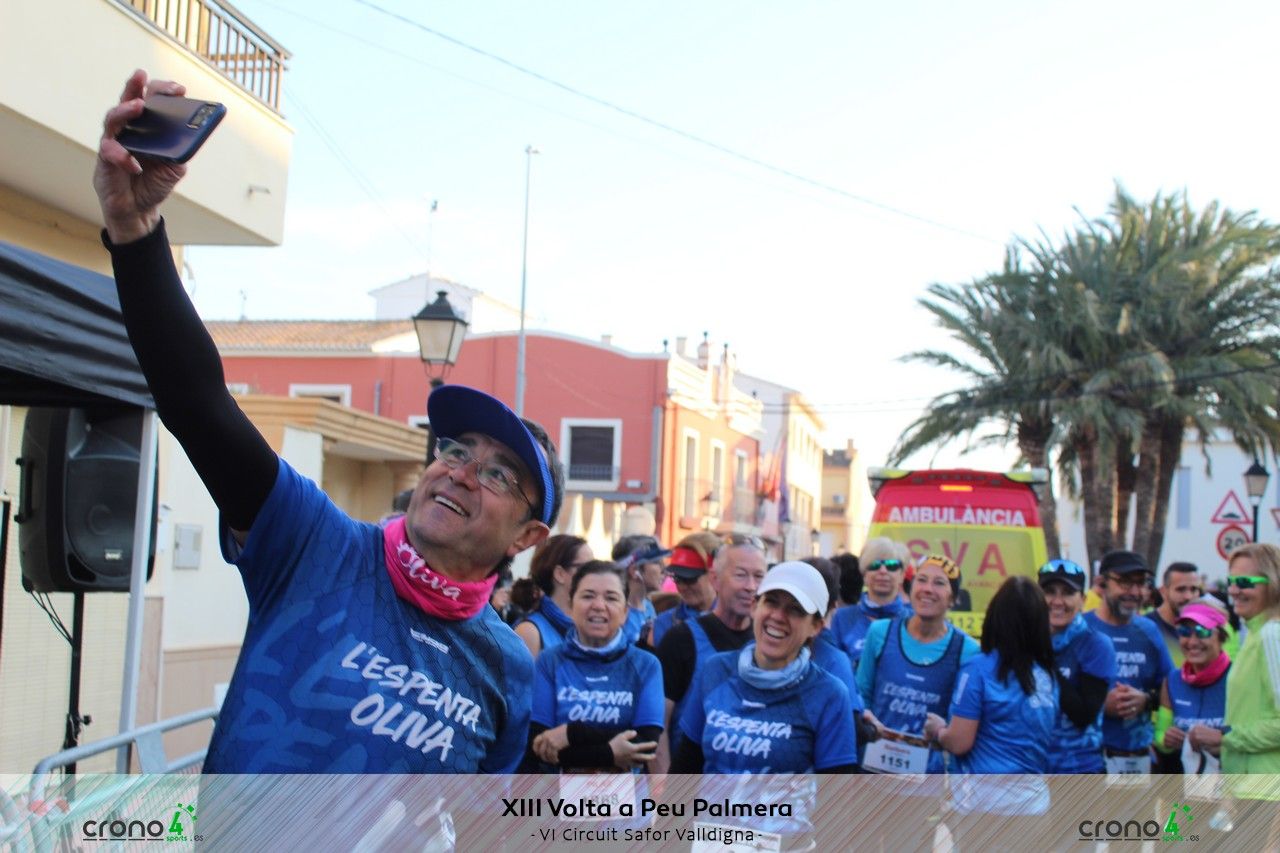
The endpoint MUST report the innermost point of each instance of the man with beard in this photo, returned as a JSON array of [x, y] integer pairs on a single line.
[[1142, 662], [1181, 586]]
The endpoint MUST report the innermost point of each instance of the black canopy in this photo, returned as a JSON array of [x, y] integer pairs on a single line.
[[62, 339]]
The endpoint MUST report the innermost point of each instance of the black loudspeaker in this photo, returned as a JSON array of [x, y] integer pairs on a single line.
[[79, 494]]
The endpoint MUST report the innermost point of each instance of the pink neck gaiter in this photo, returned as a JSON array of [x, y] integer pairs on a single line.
[[429, 591]]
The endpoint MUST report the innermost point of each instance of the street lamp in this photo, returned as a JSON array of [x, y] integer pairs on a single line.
[[440, 332], [1255, 483], [529, 151]]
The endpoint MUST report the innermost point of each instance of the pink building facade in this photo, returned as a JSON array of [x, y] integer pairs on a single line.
[[660, 431]]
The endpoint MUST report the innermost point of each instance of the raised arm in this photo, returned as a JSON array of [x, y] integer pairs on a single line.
[[175, 352]]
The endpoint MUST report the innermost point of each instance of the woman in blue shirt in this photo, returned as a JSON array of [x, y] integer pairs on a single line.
[[1085, 661], [1004, 707], [883, 563], [597, 699], [768, 709], [1193, 700], [552, 568], [908, 669]]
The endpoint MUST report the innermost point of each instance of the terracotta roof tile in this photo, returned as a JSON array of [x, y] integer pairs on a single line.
[[337, 335]]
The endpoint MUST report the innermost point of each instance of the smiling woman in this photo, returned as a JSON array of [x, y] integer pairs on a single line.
[[767, 708], [1252, 740], [597, 699]]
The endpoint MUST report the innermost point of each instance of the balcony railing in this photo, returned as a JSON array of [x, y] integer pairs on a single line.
[[225, 38]]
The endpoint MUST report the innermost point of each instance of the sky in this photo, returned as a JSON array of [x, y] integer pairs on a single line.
[[788, 177]]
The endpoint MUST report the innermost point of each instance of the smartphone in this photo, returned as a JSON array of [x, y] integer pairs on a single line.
[[170, 128]]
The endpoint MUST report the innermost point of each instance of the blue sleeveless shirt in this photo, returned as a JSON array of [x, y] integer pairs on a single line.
[[906, 691]]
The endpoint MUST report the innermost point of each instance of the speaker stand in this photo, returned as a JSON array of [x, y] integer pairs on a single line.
[[74, 721]]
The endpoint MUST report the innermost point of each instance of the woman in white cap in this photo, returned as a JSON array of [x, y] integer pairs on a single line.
[[768, 708]]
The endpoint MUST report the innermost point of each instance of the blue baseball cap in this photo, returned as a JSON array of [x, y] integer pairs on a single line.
[[456, 409]]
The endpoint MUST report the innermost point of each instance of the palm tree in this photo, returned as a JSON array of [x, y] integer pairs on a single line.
[[1207, 301], [1103, 349], [993, 319]]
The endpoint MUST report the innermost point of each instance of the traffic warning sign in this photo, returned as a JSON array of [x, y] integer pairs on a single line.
[[1230, 511]]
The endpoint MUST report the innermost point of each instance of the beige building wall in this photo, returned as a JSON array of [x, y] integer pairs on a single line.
[[28, 223], [804, 475], [35, 661], [51, 110], [847, 501], [62, 65]]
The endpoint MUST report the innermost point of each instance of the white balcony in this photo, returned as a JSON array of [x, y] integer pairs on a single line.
[[64, 62]]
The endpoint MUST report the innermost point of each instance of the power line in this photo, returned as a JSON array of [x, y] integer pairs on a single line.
[[683, 134], [852, 407], [356, 174]]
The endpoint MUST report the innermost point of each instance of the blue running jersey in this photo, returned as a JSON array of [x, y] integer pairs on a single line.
[[804, 728], [1142, 661], [1073, 750], [1014, 732], [622, 691], [337, 674]]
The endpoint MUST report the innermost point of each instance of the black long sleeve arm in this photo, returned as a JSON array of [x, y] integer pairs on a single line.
[[1082, 703], [588, 745], [184, 373]]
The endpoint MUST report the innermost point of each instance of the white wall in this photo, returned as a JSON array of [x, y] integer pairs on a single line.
[[1190, 533]]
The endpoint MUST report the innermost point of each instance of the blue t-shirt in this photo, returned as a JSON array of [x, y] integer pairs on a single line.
[[799, 729], [1014, 732], [337, 674], [832, 658], [1077, 750], [623, 690], [671, 617], [638, 620], [1142, 661], [849, 624]]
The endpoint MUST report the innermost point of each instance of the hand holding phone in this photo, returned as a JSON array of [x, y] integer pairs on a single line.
[[130, 195], [171, 128]]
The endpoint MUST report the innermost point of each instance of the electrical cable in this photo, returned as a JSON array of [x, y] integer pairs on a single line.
[[676, 131]]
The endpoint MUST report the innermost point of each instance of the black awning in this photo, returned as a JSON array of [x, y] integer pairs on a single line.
[[62, 339]]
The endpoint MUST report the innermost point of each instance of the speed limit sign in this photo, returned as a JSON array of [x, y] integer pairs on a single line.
[[1231, 538]]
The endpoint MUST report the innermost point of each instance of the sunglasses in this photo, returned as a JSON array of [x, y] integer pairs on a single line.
[[1246, 581], [1061, 567], [887, 565], [1198, 631]]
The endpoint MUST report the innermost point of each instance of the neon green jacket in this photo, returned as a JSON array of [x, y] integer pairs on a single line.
[[1253, 711]]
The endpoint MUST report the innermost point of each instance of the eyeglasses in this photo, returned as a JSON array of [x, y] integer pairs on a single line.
[[493, 475], [1061, 567], [886, 565], [1130, 581], [1246, 581], [1198, 631]]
